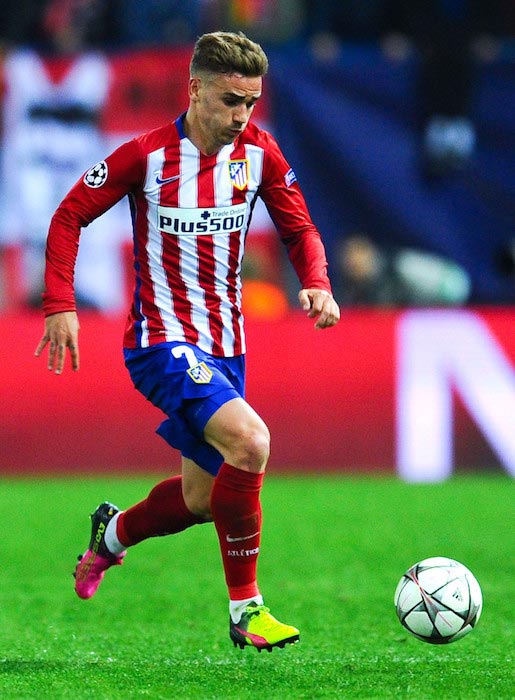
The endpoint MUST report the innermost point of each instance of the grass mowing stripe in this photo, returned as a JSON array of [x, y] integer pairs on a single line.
[[333, 550]]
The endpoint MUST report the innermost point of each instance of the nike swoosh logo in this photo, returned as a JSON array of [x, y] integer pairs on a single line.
[[164, 181], [240, 539]]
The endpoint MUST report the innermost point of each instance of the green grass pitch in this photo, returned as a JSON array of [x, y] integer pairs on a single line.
[[333, 550]]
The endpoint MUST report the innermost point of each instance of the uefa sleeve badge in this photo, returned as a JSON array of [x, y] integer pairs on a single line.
[[97, 175], [290, 178]]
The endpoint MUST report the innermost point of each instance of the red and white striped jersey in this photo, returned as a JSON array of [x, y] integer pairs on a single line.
[[190, 213]]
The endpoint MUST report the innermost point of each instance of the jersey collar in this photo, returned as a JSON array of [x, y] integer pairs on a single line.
[[179, 123]]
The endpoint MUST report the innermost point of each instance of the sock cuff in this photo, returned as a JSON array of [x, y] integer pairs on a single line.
[[240, 479], [121, 532], [236, 607], [247, 592], [111, 539]]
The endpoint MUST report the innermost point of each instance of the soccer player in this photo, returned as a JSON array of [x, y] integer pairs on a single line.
[[192, 185]]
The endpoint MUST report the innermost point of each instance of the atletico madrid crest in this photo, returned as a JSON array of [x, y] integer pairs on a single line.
[[239, 173], [200, 373]]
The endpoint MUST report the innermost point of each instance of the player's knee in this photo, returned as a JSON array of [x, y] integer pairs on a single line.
[[251, 449], [240, 435]]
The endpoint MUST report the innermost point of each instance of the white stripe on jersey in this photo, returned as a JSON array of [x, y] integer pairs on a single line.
[[223, 197], [223, 184], [255, 157], [188, 187]]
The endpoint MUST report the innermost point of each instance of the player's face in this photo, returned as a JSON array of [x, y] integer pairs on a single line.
[[223, 107]]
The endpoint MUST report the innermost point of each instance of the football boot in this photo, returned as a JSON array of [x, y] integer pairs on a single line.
[[95, 561], [258, 628]]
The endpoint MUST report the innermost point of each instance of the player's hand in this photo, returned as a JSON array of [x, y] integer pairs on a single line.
[[320, 305], [61, 331]]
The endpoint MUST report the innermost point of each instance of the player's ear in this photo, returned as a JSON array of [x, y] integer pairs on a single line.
[[194, 89]]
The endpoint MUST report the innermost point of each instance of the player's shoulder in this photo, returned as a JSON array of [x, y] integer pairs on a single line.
[[257, 136], [159, 137]]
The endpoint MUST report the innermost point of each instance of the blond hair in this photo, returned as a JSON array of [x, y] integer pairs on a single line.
[[228, 52]]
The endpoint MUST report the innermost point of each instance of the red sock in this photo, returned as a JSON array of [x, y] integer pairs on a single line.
[[236, 512], [163, 512]]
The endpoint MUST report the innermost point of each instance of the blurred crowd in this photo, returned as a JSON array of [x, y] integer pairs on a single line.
[[53, 137], [112, 24]]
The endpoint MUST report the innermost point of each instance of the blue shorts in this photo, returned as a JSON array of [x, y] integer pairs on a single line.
[[188, 385]]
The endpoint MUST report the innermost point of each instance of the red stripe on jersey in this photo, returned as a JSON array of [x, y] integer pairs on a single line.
[[206, 255], [171, 169], [239, 196], [143, 308], [206, 278], [181, 303], [232, 290]]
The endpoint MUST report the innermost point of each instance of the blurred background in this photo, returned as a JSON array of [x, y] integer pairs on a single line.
[[398, 117]]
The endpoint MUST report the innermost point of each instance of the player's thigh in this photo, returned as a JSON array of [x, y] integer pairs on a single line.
[[239, 434], [196, 488]]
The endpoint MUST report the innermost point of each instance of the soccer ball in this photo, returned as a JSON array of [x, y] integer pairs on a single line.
[[438, 600]]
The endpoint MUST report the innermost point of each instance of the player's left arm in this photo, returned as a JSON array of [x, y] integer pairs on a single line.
[[321, 305], [287, 207]]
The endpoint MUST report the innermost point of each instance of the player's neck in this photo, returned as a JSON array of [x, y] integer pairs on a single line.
[[197, 136]]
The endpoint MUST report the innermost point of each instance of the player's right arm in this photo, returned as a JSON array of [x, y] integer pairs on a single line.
[[87, 200], [61, 332]]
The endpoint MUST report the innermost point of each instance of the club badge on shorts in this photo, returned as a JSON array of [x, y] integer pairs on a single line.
[[239, 173], [200, 373]]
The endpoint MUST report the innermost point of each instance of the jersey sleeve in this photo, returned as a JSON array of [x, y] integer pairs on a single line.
[[96, 192], [287, 207]]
